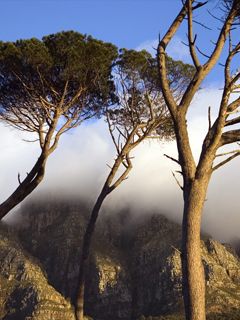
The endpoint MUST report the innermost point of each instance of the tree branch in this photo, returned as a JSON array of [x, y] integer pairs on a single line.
[[230, 137], [219, 165], [191, 39], [171, 158], [177, 181]]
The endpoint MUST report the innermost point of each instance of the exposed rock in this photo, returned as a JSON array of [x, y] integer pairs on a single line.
[[133, 271], [24, 290]]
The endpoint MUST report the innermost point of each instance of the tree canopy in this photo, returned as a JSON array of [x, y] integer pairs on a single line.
[[80, 73], [138, 90], [49, 86], [140, 113], [35, 70]]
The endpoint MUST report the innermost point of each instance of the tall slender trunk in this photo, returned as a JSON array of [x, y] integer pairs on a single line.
[[79, 303], [192, 267], [32, 180]]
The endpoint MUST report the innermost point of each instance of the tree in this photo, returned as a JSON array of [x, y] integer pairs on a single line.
[[139, 114], [49, 87], [196, 176]]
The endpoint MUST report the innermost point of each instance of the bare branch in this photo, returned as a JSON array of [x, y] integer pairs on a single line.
[[201, 24], [232, 121], [233, 106], [226, 153], [171, 158], [230, 137], [202, 53], [219, 19], [219, 165], [191, 39], [19, 180], [26, 140], [212, 60], [177, 181], [109, 166], [161, 53], [112, 135], [124, 174], [209, 119]]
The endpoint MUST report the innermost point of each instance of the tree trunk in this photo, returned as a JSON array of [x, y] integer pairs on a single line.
[[79, 304], [192, 267], [32, 180]]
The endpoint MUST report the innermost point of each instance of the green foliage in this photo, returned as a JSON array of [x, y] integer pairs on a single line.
[[140, 65], [81, 58], [139, 91], [179, 76], [35, 72], [30, 69]]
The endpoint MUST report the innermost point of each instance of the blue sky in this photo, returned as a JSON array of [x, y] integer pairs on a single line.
[[130, 24], [126, 23]]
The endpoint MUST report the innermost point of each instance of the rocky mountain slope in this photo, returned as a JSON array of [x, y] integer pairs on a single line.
[[24, 290], [135, 268]]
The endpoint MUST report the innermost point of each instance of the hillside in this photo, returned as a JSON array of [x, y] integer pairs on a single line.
[[134, 271], [24, 290]]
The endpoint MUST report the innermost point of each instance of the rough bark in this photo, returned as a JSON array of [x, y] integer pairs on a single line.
[[48, 145], [192, 267], [79, 304], [33, 179], [196, 176], [110, 184]]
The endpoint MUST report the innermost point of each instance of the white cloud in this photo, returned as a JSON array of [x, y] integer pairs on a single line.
[[16, 157], [149, 45], [78, 167], [176, 49]]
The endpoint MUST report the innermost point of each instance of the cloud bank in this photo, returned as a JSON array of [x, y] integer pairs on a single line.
[[78, 168]]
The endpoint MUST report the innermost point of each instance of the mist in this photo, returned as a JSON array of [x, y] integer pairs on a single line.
[[78, 169]]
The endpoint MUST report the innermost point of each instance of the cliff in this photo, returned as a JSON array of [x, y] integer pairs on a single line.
[[134, 270], [24, 290]]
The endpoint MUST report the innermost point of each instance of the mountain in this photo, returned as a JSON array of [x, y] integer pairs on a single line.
[[24, 290], [134, 270]]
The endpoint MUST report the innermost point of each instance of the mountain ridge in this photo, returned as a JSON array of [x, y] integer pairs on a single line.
[[135, 268]]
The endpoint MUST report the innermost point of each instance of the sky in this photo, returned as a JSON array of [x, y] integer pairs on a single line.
[[80, 161], [126, 23]]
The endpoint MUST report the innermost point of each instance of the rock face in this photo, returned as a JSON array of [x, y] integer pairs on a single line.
[[108, 279], [134, 270], [25, 292]]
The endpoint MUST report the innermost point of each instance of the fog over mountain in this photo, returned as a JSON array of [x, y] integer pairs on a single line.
[[78, 169]]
